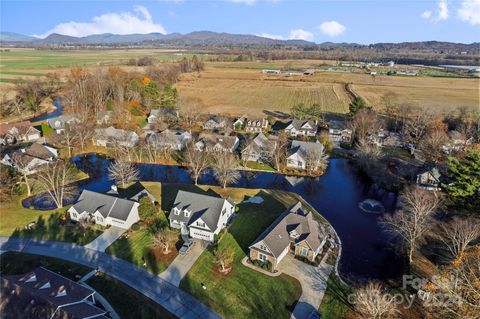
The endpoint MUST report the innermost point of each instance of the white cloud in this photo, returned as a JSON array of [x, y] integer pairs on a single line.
[[441, 13], [247, 2], [427, 14], [332, 28], [140, 21], [469, 11], [300, 34]]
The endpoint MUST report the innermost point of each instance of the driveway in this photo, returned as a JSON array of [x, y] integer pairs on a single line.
[[179, 267], [175, 300], [313, 281], [106, 238]]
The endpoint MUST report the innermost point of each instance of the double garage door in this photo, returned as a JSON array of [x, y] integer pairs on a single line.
[[203, 235]]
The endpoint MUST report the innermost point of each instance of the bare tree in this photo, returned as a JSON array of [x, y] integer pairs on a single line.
[[414, 220], [21, 166], [197, 160], [84, 132], [371, 303], [56, 180], [123, 172], [225, 169], [431, 145], [368, 154], [67, 139], [164, 238], [281, 151], [365, 123], [189, 113], [316, 161], [458, 234], [224, 258], [416, 121]]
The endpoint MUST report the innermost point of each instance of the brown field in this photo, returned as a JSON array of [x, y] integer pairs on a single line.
[[242, 89]]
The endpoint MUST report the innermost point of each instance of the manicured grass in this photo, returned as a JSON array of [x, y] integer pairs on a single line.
[[13, 216], [260, 166], [13, 263], [127, 302], [335, 303], [47, 130], [53, 228], [245, 293], [137, 248]]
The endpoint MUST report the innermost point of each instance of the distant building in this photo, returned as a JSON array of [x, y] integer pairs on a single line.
[[270, 71], [217, 143], [260, 149], [111, 136], [339, 132], [215, 123], [41, 293], [303, 154], [173, 139], [105, 210], [104, 117], [309, 72], [301, 128], [59, 123], [255, 125], [429, 178], [30, 159], [18, 133]]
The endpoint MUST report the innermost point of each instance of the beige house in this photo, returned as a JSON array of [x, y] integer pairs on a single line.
[[295, 231]]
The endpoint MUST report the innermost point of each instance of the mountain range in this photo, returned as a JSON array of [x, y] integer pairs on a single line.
[[208, 38]]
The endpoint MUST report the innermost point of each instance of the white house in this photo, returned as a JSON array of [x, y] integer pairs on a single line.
[[304, 153], [18, 132], [217, 143], [173, 139], [58, 123], [105, 210], [200, 216], [339, 132], [302, 127], [30, 159], [110, 136]]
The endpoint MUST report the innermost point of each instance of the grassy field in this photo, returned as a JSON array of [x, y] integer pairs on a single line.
[[335, 301], [241, 88]]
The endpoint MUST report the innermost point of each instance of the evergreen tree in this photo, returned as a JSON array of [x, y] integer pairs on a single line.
[[357, 104]]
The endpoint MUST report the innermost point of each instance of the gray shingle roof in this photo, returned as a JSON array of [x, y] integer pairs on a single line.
[[209, 208], [298, 124], [260, 144], [305, 147], [108, 206], [277, 236]]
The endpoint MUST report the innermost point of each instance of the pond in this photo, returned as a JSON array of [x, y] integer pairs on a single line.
[[367, 252], [45, 116]]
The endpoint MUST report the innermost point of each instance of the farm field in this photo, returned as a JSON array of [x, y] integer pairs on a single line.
[[228, 88]]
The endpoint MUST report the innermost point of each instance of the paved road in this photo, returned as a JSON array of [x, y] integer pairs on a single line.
[[175, 300], [182, 264], [313, 281], [106, 238]]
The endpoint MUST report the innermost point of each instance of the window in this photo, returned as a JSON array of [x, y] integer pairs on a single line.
[[176, 211], [262, 257], [187, 213], [200, 224], [75, 215], [100, 219], [304, 251], [262, 247]]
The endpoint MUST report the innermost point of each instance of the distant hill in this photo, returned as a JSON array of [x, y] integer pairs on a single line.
[[15, 37]]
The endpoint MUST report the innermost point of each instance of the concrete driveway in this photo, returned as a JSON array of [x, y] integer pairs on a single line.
[[313, 281], [179, 267], [106, 239]]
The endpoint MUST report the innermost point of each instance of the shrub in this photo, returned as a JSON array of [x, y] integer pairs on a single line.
[[135, 226]]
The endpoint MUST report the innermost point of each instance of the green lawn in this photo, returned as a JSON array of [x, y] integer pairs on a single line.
[[245, 293], [13, 263], [46, 130], [260, 166], [127, 302], [335, 303]]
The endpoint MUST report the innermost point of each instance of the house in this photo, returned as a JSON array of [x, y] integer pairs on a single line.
[[393, 139], [104, 117], [261, 149], [28, 160], [303, 154], [111, 136], [302, 127], [458, 141], [295, 231], [41, 293], [239, 123], [201, 216], [166, 114], [173, 139], [18, 133], [270, 71], [339, 132], [58, 123], [429, 178], [309, 72], [215, 123], [256, 125], [217, 143], [105, 210]]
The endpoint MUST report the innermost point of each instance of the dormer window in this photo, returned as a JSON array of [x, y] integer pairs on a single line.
[[187, 213], [61, 292], [46, 285], [176, 211], [32, 278], [200, 224], [294, 234]]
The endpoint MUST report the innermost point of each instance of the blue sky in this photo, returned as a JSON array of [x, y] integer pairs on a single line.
[[315, 20]]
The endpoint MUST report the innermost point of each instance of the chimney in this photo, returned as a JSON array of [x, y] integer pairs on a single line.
[[114, 188]]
